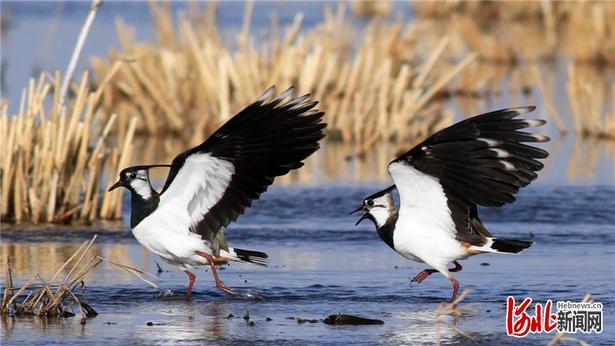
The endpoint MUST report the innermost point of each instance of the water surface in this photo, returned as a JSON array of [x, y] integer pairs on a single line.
[[320, 265]]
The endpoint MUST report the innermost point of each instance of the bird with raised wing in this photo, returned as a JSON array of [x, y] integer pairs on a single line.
[[480, 161], [210, 185]]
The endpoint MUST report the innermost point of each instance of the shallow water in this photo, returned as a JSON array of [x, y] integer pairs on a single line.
[[321, 265]]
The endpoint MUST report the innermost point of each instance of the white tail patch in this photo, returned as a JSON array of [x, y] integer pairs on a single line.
[[506, 246], [484, 248]]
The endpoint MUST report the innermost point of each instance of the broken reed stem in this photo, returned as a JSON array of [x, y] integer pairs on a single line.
[[455, 310], [87, 247], [46, 302], [70, 70]]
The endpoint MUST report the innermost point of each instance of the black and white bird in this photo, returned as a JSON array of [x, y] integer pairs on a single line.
[[481, 161], [210, 185]]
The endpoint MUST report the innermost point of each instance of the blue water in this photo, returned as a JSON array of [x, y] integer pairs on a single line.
[[321, 265]]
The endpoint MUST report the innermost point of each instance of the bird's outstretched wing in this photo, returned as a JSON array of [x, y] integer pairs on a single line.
[[218, 179], [479, 161]]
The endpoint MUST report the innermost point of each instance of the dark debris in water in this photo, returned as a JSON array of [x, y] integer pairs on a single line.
[[341, 319], [150, 323], [303, 320]]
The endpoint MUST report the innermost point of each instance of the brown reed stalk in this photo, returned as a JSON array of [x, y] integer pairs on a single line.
[[457, 311], [54, 157], [192, 81], [57, 300]]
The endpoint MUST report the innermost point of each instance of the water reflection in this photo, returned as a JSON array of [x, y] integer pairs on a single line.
[[424, 329], [29, 259]]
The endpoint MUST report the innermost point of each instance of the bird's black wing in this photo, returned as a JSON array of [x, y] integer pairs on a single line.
[[217, 180], [479, 161]]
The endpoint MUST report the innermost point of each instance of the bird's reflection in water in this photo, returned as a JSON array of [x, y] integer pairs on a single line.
[[191, 321], [419, 327]]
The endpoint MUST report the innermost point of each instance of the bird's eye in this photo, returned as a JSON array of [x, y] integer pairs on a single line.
[[133, 175], [370, 203]]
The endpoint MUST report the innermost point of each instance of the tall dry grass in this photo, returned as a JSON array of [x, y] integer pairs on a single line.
[[521, 46], [375, 84], [53, 158], [500, 30]]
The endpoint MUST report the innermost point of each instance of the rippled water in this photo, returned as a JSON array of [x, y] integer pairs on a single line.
[[320, 265]]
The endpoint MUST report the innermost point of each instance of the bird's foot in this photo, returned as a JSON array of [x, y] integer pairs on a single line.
[[423, 275], [226, 289]]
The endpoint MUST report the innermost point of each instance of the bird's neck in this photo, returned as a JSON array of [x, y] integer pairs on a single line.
[[141, 207], [386, 230]]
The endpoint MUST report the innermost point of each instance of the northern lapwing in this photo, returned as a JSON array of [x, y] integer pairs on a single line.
[[210, 185], [481, 161]]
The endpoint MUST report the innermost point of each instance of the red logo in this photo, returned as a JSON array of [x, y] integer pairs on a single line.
[[519, 324]]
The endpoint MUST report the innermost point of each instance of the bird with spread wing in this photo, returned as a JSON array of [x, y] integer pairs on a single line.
[[480, 161], [210, 185]]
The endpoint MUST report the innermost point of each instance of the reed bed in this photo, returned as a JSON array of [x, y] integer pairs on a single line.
[[520, 46], [375, 84], [58, 297], [506, 31], [54, 157]]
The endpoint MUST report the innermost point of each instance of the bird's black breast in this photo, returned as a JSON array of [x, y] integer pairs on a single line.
[[142, 208], [386, 231]]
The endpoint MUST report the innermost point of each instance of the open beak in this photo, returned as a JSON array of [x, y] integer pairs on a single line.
[[363, 217], [115, 186]]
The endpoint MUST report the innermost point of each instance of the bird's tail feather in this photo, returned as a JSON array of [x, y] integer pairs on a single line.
[[250, 256], [503, 245]]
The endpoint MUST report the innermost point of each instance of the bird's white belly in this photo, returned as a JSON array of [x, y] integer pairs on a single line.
[[423, 240], [162, 234]]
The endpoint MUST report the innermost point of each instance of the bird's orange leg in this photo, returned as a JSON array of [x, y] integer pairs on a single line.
[[212, 264], [455, 288], [192, 278], [425, 273]]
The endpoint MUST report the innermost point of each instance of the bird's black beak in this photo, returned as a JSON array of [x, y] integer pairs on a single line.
[[363, 217], [115, 186]]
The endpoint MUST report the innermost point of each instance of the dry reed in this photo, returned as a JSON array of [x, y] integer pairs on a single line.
[[375, 84], [57, 298], [523, 43], [54, 158], [509, 30], [457, 311]]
